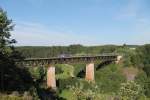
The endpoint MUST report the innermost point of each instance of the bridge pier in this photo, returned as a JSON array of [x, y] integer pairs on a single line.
[[118, 59], [89, 72], [51, 81]]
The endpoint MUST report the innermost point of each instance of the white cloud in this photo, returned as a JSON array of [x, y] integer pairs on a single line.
[[30, 33], [36, 34]]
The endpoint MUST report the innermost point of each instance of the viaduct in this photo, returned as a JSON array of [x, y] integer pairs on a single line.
[[88, 60]]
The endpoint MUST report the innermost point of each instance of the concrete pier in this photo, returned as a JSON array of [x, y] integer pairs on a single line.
[[89, 72], [51, 80], [118, 59]]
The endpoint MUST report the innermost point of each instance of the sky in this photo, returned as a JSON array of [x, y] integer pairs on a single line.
[[86, 22]]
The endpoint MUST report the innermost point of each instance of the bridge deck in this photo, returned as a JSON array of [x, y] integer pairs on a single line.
[[72, 57], [65, 60]]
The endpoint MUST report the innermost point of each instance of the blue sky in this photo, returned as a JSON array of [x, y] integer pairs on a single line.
[[87, 22]]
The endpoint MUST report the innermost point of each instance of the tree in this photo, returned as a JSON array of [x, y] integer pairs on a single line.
[[142, 58], [5, 41], [5, 37], [11, 77]]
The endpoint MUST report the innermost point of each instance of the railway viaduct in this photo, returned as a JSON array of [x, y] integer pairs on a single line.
[[88, 60]]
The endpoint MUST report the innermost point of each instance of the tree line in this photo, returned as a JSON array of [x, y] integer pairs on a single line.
[[75, 49]]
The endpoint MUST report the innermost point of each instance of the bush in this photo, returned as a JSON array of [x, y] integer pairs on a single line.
[[130, 91], [37, 72], [64, 83], [141, 78], [64, 71], [34, 93], [83, 93]]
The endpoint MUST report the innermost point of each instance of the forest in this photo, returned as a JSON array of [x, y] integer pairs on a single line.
[[128, 80]]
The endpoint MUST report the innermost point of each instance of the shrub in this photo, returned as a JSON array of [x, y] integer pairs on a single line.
[[64, 83], [34, 93], [83, 93], [37, 72], [130, 91], [141, 78]]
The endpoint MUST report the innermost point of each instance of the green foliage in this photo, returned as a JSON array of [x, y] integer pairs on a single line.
[[78, 91], [82, 93], [54, 51], [67, 95], [8, 97], [64, 83], [142, 60], [5, 28], [143, 56], [12, 77], [34, 93], [127, 55], [147, 69], [67, 71], [15, 96], [136, 60], [109, 78], [141, 78], [37, 72], [79, 69], [147, 87], [130, 91], [58, 70]]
